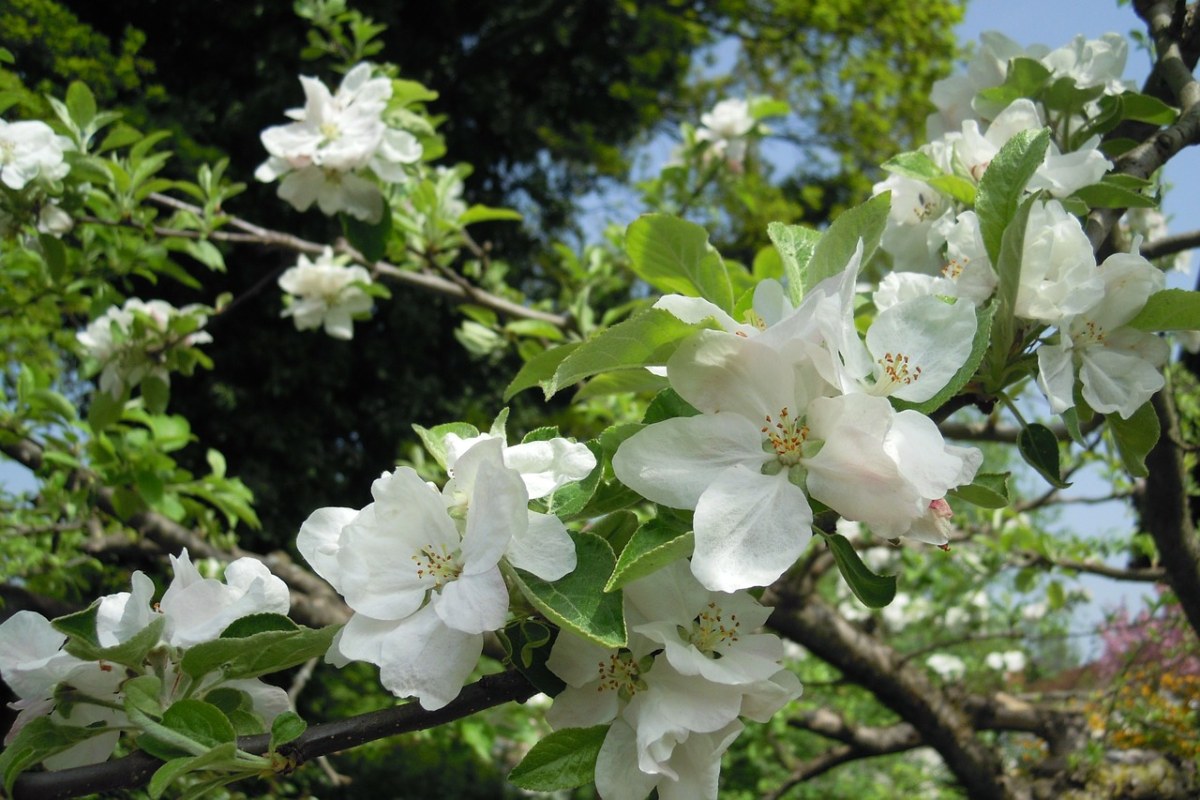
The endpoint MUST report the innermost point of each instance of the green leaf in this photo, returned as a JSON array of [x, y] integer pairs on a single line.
[[633, 381], [258, 654], [435, 439], [572, 498], [1169, 310], [188, 728], [539, 370], [667, 404], [919, 166], [647, 338], [1003, 306], [130, 653], [481, 213], [216, 462], [369, 238], [578, 601], [653, 546], [1144, 108], [563, 760], [988, 490], [616, 528], [1003, 183], [875, 591], [1109, 194], [527, 643], [54, 254], [837, 245], [169, 772], [53, 401], [795, 244], [104, 410], [1135, 437], [1039, 448], [243, 627], [979, 347], [38, 740], [673, 255], [80, 626], [1026, 77], [81, 103], [287, 727]]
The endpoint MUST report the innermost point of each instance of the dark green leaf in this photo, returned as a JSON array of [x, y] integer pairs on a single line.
[[875, 591], [1039, 448], [1135, 437], [563, 760], [38, 740], [369, 238], [258, 623], [667, 404], [988, 490]]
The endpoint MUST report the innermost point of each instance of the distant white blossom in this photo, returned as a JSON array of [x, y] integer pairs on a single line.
[[28, 151], [325, 293]]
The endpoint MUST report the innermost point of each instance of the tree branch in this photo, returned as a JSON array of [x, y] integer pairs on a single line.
[[319, 740], [1170, 245], [433, 283]]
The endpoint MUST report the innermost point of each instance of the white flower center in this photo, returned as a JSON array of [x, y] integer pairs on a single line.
[[331, 131], [621, 674], [438, 563], [786, 437], [895, 372], [713, 631]]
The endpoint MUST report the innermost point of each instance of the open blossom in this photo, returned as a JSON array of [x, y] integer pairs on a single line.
[[326, 293], [195, 609], [1058, 268], [948, 667], [685, 642], [1007, 661], [725, 128], [122, 347], [1119, 366], [421, 569], [28, 151], [334, 138]]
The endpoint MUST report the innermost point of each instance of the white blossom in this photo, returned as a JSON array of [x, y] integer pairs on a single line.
[[948, 667], [323, 292], [28, 151], [725, 129], [1008, 661]]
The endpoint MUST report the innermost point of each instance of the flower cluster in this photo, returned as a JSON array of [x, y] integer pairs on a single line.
[[423, 568], [49, 681], [324, 292], [799, 409], [725, 130], [337, 142], [685, 643], [133, 342]]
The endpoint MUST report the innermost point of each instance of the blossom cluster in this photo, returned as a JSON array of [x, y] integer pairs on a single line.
[[1081, 309], [795, 405], [685, 643], [422, 568], [49, 681], [337, 143], [129, 343]]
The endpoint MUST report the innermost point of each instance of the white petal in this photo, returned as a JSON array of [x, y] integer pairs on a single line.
[[543, 548], [474, 603], [499, 508], [426, 659], [1056, 376], [318, 541], [549, 465], [616, 776], [750, 528], [695, 310]]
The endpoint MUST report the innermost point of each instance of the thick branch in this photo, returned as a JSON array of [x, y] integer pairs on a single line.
[[320, 740], [252, 233], [1166, 515], [1170, 245], [808, 620]]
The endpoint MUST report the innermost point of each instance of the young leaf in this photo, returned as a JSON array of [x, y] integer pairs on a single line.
[[667, 404], [648, 338], [988, 490], [539, 370], [1039, 448], [1169, 310], [287, 727], [259, 654], [1003, 182], [875, 591], [652, 547], [38, 740], [165, 775], [258, 623], [435, 439], [838, 243], [673, 255], [1135, 437], [81, 103], [795, 244], [578, 602], [563, 760]]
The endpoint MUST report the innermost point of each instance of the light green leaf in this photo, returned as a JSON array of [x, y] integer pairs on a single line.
[[481, 213], [653, 546], [435, 439], [988, 490], [81, 103], [577, 602], [287, 727], [837, 245], [258, 654], [1135, 437], [243, 627], [38, 740], [1003, 305], [1003, 183], [131, 653], [673, 255], [647, 338], [1169, 310], [875, 591], [539, 370], [165, 775], [634, 381], [563, 760], [795, 244]]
